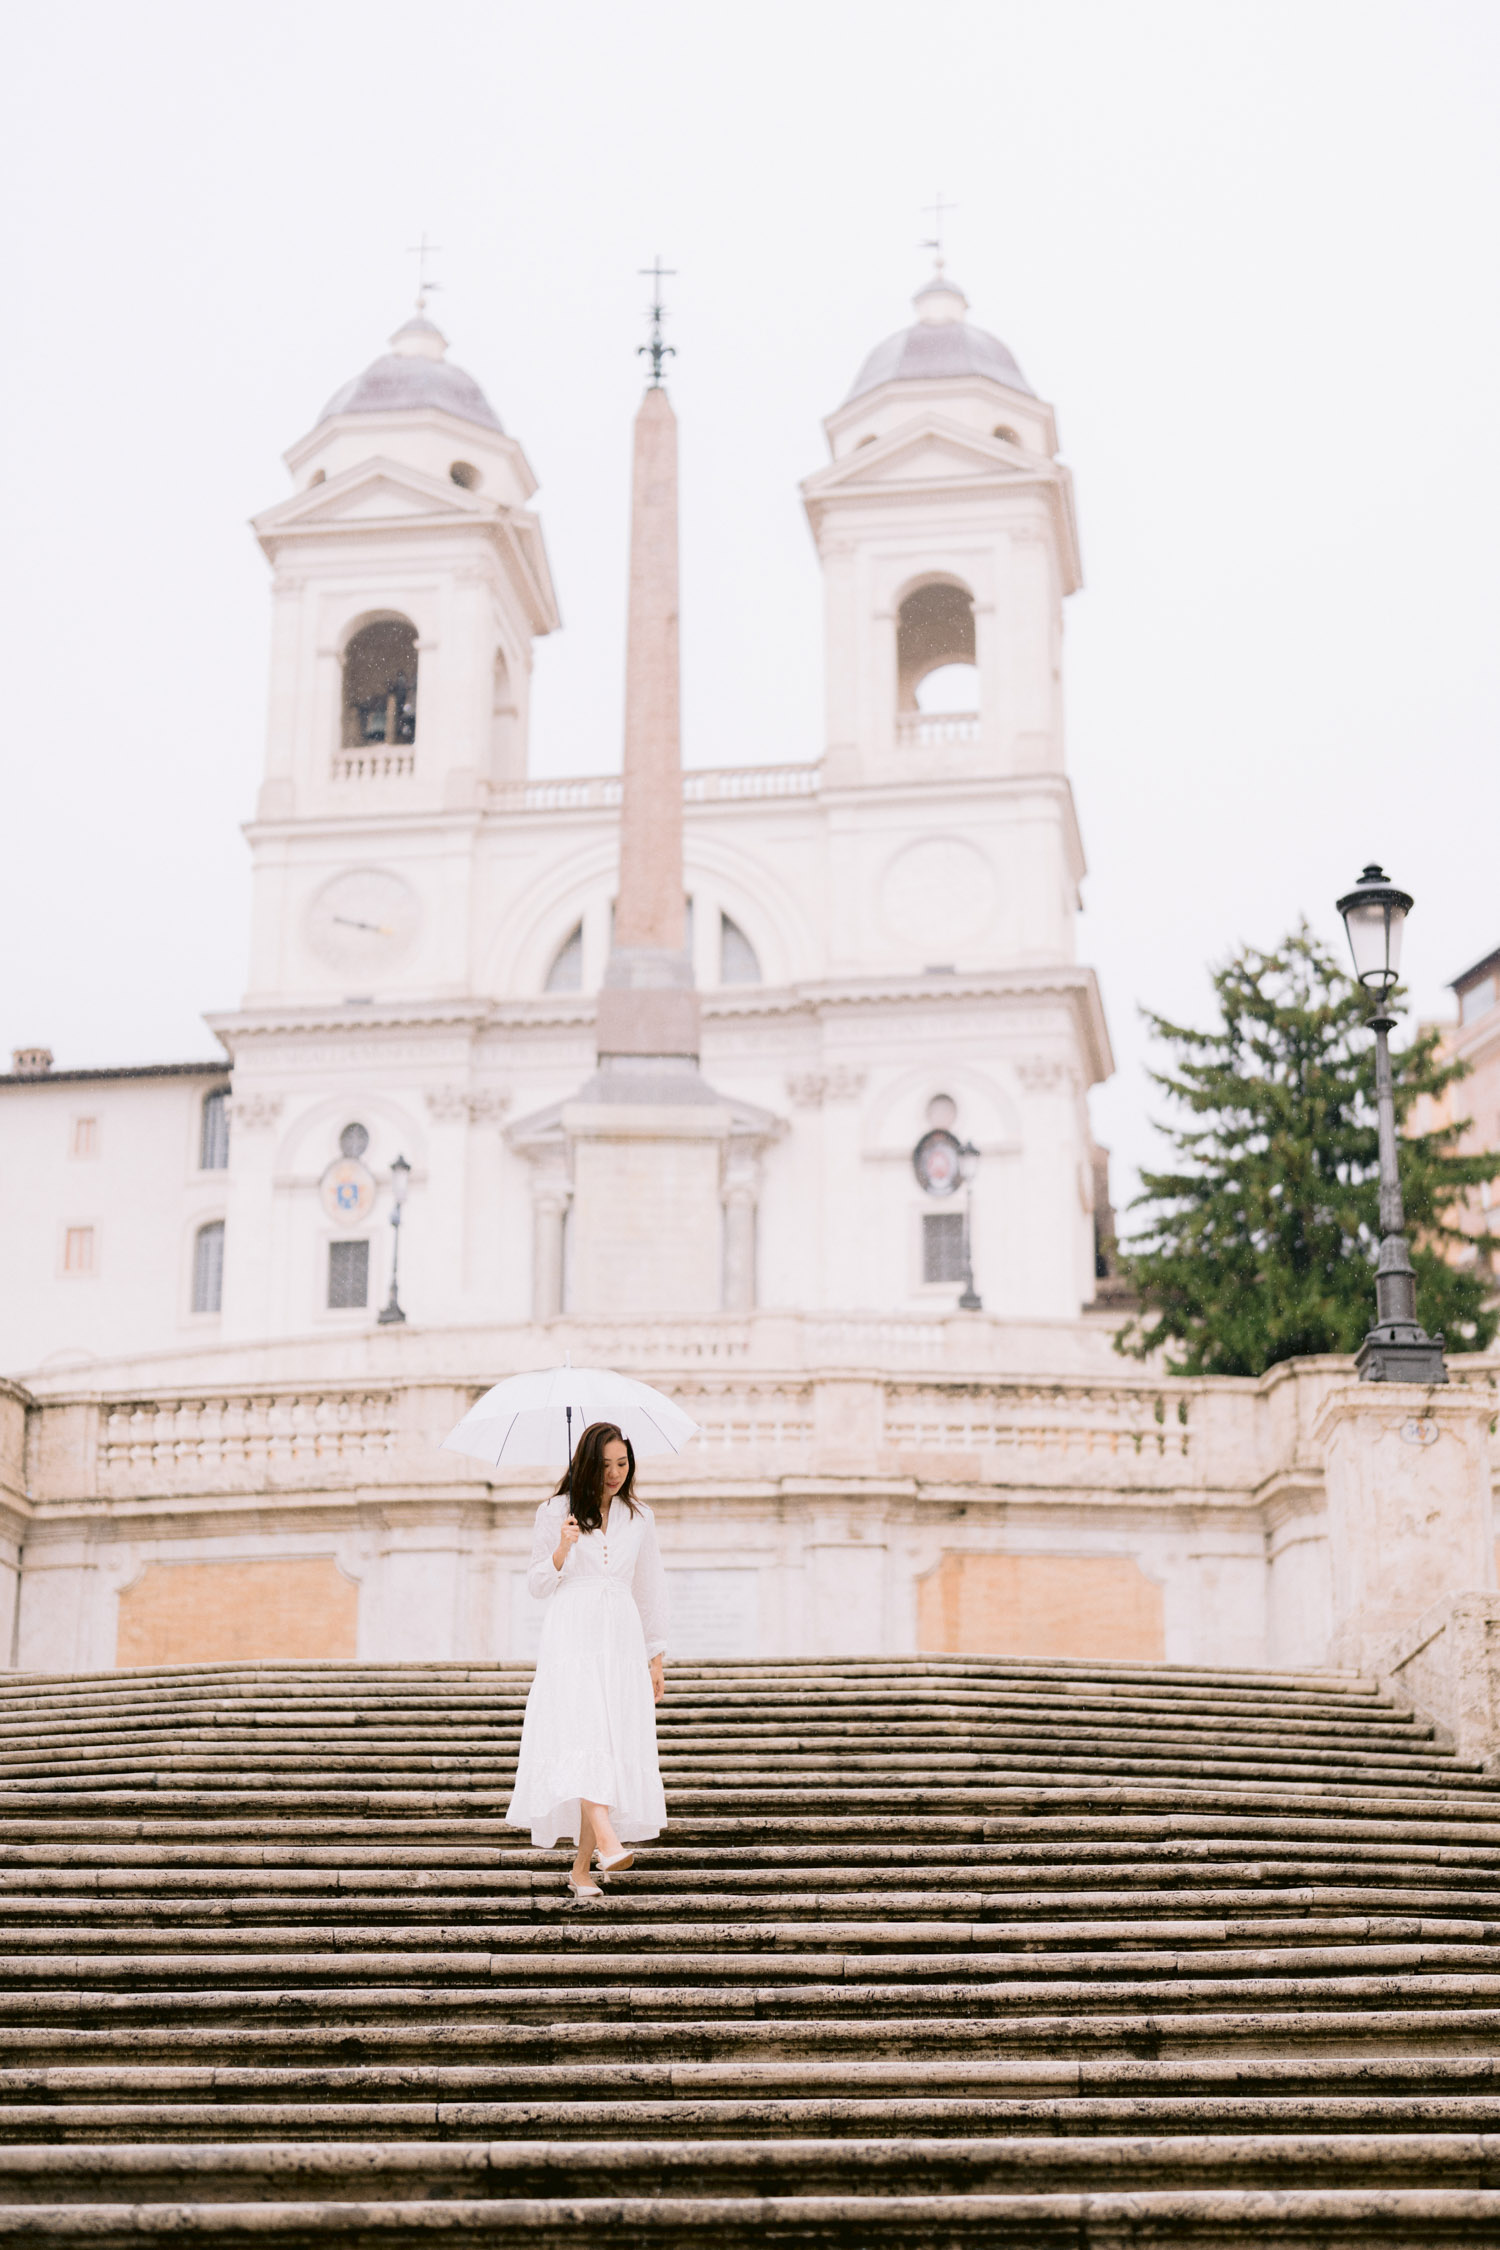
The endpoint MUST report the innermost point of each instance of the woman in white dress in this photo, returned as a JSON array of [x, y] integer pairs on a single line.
[[588, 1767]]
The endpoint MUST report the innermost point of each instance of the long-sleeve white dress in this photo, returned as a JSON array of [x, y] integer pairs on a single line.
[[590, 1726]]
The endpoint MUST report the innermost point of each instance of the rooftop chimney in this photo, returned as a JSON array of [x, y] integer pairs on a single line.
[[31, 1062]]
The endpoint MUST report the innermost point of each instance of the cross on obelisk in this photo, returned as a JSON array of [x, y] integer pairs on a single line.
[[422, 251], [655, 349]]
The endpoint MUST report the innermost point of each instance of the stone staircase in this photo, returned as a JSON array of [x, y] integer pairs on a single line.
[[936, 1951]]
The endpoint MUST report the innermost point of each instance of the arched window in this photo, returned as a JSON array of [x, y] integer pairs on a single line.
[[208, 1267], [464, 473], [566, 972], [739, 963], [213, 1131], [934, 629], [380, 684]]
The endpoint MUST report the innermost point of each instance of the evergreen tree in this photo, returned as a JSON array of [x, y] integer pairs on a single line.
[[1259, 1244]]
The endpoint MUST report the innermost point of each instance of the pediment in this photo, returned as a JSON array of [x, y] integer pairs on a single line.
[[377, 491], [931, 451]]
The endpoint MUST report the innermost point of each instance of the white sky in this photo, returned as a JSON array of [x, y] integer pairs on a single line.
[[1249, 251]]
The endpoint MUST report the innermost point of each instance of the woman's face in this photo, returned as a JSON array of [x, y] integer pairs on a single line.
[[616, 1467]]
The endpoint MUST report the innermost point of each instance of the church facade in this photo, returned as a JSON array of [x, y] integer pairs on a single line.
[[887, 929], [230, 1400]]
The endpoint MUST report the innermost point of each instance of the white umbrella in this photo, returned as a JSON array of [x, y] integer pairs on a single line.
[[532, 1420]]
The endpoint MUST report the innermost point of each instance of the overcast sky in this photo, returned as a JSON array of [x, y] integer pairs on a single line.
[[1248, 250]]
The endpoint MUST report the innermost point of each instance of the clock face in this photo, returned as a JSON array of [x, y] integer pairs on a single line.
[[364, 920]]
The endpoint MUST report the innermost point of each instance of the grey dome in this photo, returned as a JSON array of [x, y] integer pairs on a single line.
[[938, 347], [415, 374]]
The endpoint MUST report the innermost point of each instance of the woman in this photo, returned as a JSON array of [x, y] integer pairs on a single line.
[[587, 1767]]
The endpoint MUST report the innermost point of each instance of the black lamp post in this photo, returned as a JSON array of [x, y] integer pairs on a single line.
[[968, 1165], [1397, 1349], [391, 1311]]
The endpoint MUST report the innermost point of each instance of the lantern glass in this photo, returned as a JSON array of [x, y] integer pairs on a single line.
[[1369, 928], [1375, 914], [400, 1179]]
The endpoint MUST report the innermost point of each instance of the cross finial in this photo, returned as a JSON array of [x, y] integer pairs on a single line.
[[656, 350], [939, 208], [422, 251]]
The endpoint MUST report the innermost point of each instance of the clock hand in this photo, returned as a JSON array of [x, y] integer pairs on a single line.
[[381, 929]]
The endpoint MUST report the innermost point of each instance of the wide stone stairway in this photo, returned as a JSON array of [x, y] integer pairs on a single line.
[[940, 1950]]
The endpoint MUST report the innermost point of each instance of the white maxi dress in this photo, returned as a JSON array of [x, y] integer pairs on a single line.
[[590, 1726]]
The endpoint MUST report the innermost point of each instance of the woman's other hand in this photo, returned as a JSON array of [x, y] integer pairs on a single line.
[[658, 1678], [567, 1541]]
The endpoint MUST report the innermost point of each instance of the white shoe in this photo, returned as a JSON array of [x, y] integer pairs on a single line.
[[584, 1892]]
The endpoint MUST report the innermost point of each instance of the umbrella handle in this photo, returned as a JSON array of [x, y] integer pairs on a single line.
[[569, 1412]]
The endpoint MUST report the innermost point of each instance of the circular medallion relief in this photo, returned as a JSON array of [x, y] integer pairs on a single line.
[[937, 1161], [365, 919], [938, 891], [348, 1191]]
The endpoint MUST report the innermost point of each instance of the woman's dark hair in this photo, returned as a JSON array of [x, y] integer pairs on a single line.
[[584, 1483]]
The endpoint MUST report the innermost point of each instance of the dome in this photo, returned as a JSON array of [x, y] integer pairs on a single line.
[[414, 373], [940, 345]]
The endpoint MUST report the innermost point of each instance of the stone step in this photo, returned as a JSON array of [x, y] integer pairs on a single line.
[[1039, 2079], [904, 1714], [484, 1722], [198, 1770], [57, 1915], [701, 1808], [1348, 2023], [218, 2120], [1014, 1860], [413, 2170], [1078, 1863], [725, 1753], [1195, 2219], [571, 1932]]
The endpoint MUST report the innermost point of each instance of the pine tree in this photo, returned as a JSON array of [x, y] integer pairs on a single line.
[[1259, 1244]]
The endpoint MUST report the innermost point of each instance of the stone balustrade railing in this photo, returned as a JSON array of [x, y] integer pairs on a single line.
[[925, 730], [1132, 1434], [700, 786]]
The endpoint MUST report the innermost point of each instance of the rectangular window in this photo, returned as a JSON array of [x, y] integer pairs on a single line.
[[85, 1136], [348, 1276], [942, 1246], [78, 1250], [208, 1267], [213, 1146]]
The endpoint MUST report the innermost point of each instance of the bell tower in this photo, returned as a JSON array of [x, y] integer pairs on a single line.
[[410, 583], [945, 527]]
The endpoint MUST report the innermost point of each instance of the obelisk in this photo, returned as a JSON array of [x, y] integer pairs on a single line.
[[648, 1006], [647, 1136]]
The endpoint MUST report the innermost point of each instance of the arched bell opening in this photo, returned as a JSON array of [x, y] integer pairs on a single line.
[[380, 684], [935, 634]]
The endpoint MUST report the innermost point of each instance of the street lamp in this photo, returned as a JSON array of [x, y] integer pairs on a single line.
[[968, 1165], [391, 1311], [1397, 1349]]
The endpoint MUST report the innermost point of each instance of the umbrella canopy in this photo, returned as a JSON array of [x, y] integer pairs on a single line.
[[536, 1420]]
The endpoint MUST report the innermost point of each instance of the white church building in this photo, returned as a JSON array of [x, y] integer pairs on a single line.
[[916, 1432]]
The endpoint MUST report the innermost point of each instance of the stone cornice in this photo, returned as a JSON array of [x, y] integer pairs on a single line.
[[247, 1024], [1070, 981]]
